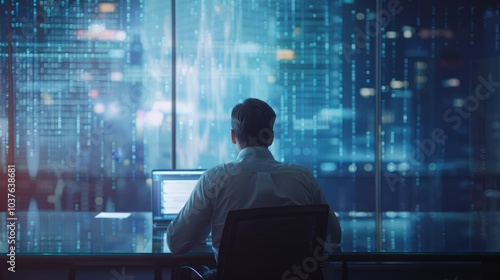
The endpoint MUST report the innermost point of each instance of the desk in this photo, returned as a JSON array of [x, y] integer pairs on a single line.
[[100, 266], [164, 266]]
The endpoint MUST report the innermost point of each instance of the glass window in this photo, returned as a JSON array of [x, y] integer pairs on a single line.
[[439, 153], [391, 104]]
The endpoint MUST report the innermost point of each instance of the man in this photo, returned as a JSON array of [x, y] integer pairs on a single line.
[[254, 180]]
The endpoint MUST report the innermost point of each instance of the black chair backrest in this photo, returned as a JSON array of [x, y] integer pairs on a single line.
[[272, 243]]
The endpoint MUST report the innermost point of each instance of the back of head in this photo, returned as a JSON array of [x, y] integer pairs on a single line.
[[252, 122]]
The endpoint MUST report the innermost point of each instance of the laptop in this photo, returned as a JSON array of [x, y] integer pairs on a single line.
[[170, 191]]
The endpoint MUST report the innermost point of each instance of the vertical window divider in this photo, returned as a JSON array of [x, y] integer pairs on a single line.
[[378, 132], [173, 89], [10, 102]]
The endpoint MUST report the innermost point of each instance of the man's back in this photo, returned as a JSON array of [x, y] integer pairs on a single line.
[[254, 180], [257, 180]]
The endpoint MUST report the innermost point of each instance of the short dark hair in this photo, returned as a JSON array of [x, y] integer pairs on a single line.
[[252, 122]]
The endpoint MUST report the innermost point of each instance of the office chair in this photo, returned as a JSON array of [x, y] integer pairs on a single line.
[[269, 243]]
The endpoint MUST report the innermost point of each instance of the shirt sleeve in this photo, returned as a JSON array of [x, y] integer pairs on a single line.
[[192, 225]]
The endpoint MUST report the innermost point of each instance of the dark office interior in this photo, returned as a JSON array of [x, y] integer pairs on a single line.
[[390, 103]]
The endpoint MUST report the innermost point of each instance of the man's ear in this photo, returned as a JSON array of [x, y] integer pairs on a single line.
[[266, 136], [233, 136]]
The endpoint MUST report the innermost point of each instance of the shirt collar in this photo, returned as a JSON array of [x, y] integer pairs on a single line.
[[251, 152]]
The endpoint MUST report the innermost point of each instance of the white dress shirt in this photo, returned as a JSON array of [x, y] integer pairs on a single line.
[[254, 180]]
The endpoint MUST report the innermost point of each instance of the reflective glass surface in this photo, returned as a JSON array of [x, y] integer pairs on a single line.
[[81, 233], [73, 233]]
